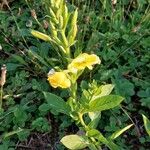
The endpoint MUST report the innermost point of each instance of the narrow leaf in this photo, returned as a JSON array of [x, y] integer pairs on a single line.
[[12, 133], [119, 132], [146, 124]]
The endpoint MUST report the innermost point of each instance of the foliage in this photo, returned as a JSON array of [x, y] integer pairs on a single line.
[[75, 108], [116, 31]]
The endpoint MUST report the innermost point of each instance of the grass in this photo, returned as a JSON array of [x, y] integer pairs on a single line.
[[117, 33]]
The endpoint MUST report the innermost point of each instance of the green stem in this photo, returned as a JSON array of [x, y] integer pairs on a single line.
[[1, 97], [92, 147], [73, 90], [82, 121], [137, 129], [68, 52], [87, 128]]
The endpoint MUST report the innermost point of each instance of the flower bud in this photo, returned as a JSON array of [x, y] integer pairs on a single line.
[[33, 14], [3, 75], [40, 35]]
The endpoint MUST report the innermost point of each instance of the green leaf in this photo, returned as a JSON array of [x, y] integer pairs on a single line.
[[57, 103], [44, 48], [12, 133], [41, 125], [95, 117], [35, 55], [44, 107], [124, 87], [12, 66], [20, 116], [104, 103], [146, 124], [96, 134], [19, 59], [74, 142], [119, 132], [103, 91], [23, 135], [94, 39], [24, 32], [92, 146]]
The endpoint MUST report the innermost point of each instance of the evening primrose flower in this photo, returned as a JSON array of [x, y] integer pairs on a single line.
[[58, 79], [82, 61]]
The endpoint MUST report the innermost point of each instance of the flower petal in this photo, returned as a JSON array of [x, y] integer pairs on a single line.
[[82, 61], [59, 79]]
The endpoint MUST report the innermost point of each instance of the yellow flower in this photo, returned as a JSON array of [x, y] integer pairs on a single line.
[[82, 61], [59, 79]]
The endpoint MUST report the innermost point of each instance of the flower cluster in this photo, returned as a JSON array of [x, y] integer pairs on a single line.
[[61, 79]]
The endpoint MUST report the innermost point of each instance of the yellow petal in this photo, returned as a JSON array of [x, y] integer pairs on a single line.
[[82, 61], [59, 79]]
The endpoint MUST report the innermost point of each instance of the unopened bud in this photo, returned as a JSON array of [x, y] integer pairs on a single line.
[[114, 2], [1, 47], [33, 14], [3, 75], [135, 29], [40, 35], [45, 23]]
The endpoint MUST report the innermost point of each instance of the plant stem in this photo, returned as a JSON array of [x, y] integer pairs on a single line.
[[94, 147], [137, 129], [82, 121], [73, 90], [68, 53], [1, 97]]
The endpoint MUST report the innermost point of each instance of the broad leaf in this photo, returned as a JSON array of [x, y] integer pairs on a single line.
[[119, 132], [57, 103], [74, 142], [104, 103], [103, 91], [146, 124]]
